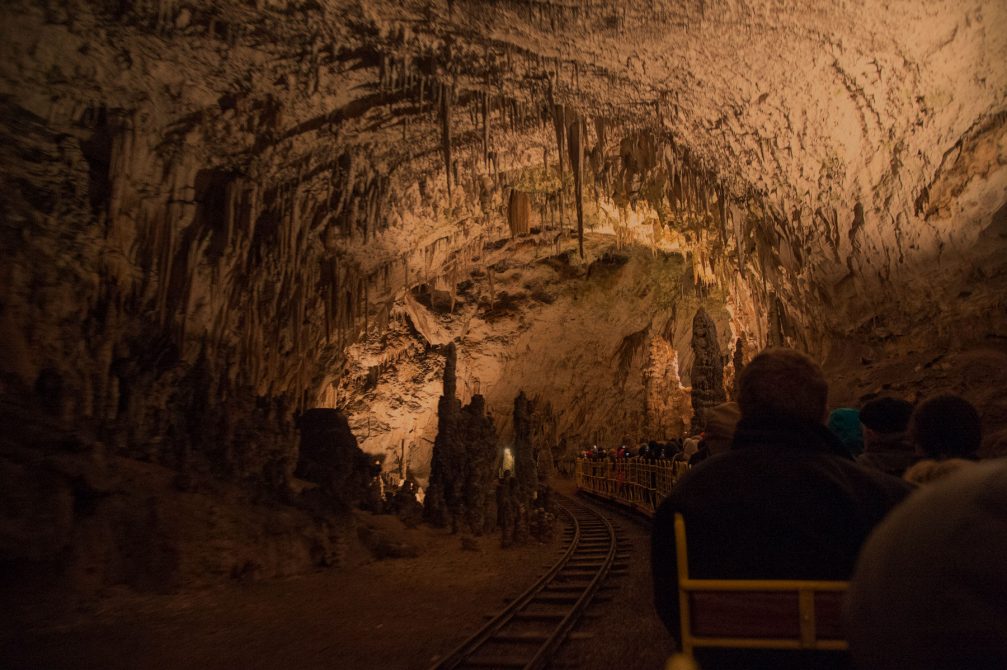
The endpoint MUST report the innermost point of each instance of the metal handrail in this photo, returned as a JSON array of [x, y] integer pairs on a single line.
[[640, 484]]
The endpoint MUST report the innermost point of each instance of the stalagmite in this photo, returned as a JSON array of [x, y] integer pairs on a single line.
[[739, 364], [707, 369], [525, 460], [222, 215]]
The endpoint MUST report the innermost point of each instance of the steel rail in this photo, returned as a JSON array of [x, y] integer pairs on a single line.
[[598, 526]]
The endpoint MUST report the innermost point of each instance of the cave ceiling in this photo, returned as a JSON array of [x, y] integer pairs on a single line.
[[258, 183]]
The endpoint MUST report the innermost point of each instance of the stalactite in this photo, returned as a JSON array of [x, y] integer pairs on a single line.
[[445, 97], [575, 137], [327, 299], [722, 213], [518, 212], [486, 130], [559, 123]]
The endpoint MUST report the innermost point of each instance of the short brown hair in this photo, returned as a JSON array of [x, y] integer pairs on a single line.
[[785, 384], [947, 426]]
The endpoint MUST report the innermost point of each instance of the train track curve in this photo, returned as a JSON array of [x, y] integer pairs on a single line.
[[529, 631]]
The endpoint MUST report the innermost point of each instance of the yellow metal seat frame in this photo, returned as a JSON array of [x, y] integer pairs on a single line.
[[805, 590]]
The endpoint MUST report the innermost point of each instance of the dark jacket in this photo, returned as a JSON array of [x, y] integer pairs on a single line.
[[930, 590], [786, 502]]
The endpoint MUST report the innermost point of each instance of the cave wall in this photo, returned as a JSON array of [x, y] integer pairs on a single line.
[[208, 203], [603, 343], [216, 216]]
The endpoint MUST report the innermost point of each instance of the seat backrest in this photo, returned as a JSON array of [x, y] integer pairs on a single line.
[[756, 613]]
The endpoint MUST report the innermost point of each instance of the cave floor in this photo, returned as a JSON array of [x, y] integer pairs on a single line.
[[396, 613]]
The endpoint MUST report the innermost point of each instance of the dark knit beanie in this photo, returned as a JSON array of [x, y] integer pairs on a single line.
[[886, 415]]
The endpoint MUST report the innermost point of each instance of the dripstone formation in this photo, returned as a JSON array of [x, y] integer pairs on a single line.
[[523, 497], [464, 456], [525, 454], [707, 369], [210, 211], [329, 457], [739, 365]]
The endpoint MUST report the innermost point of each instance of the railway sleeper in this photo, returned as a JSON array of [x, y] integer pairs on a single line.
[[494, 662], [556, 600], [539, 616]]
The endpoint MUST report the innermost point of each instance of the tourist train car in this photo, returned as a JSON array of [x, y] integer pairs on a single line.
[[638, 483]]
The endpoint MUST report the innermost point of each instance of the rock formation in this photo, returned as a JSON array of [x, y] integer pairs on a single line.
[[668, 408], [329, 457], [78, 518], [525, 451], [464, 460], [739, 365], [215, 214], [444, 492], [707, 368], [548, 449], [518, 212]]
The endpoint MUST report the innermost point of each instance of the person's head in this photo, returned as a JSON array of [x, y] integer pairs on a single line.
[[886, 416], [947, 426], [720, 423], [784, 384], [928, 590], [844, 423]]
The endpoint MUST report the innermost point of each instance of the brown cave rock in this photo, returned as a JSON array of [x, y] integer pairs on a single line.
[[329, 457], [707, 368]]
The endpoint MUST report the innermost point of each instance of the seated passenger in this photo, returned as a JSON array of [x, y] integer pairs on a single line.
[[930, 470], [719, 431], [886, 445], [930, 589], [844, 423], [947, 433], [690, 446], [670, 448], [786, 502]]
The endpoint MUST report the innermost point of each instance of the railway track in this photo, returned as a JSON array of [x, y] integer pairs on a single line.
[[529, 631]]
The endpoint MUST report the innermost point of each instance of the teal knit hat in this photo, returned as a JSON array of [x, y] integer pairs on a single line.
[[844, 423]]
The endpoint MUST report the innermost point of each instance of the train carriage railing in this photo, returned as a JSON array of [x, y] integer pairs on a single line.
[[635, 482]]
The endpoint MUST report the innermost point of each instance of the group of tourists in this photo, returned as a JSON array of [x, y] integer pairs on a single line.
[[791, 492], [653, 450]]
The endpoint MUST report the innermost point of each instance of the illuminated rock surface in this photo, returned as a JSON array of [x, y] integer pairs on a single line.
[[218, 215]]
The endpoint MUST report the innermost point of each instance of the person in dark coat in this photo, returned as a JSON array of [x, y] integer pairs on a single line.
[[947, 426], [844, 423], [786, 502], [718, 432], [930, 589], [947, 433], [886, 445]]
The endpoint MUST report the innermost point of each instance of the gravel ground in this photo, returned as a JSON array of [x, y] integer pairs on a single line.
[[391, 614], [401, 613]]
